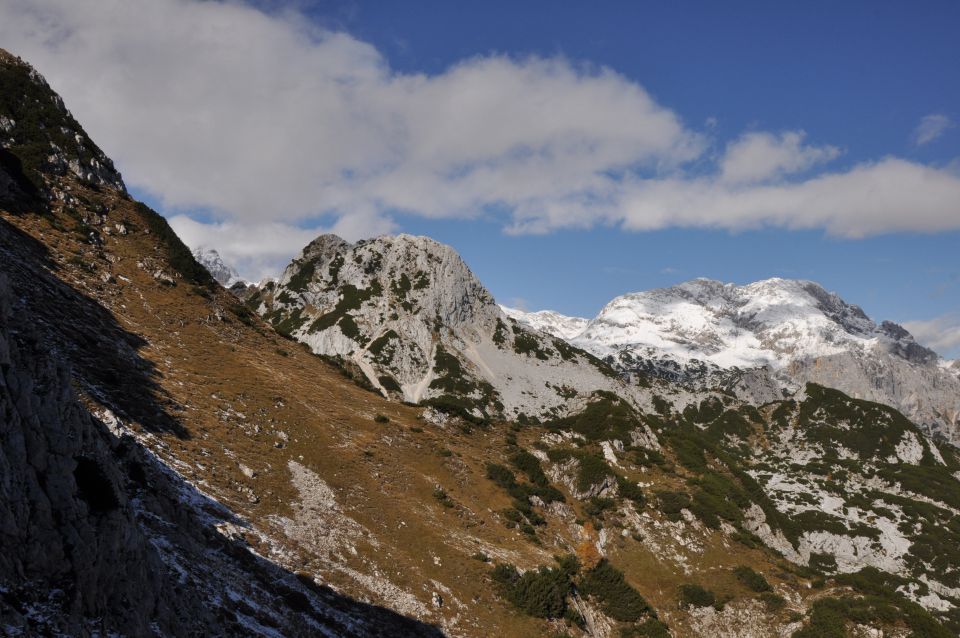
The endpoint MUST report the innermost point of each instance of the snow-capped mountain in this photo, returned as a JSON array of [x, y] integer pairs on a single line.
[[224, 273], [794, 331], [549, 321], [409, 313]]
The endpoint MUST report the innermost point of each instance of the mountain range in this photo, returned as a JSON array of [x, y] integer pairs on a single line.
[[706, 333], [371, 446]]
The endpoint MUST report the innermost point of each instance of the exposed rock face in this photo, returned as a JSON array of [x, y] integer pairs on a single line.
[[39, 130], [408, 311], [62, 506], [226, 275], [767, 336]]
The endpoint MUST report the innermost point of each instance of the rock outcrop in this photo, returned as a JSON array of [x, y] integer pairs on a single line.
[[409, 313]]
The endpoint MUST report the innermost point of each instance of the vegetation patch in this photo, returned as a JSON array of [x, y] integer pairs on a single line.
[[607, 417], [541, 593], [592, 469], [751, 579], [298, 282], [527, 344], [617, 598], [691, 595]]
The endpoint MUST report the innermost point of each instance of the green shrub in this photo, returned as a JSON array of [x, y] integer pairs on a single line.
[[672, 503], [592, 470], [442, 497], [695, 596], [630, 491], [179, 257], [606, 417], [596, 506], [823, 562], [389, 384], [529, 465], [526, 343], [381, 418], [617, 598], [774, 602], [541, 593], [751, 579], [298, 282]]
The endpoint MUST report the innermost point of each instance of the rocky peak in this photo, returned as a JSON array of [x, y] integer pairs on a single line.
[[224, 273], [40, 132], [408, 314]]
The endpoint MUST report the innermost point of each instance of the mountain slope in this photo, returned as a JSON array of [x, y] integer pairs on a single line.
[[420, 326], [243, 486], [794, 331]]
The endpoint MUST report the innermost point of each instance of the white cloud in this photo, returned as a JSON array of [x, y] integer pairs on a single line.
[[263, 249], [931, 127], [760, 156], [942, 334], [266, 121]]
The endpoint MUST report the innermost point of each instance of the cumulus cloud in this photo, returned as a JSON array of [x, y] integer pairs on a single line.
[[262, 249], [272, 125], [931, 127], [942, 334], [762, 156]]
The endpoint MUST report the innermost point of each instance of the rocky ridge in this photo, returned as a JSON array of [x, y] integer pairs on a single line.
[[781, 334], [420, 327]]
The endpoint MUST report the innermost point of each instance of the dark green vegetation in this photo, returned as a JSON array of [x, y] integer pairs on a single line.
[[751, 579], [463, 395], [545, 592], [351, 298], [695, 596], [541, 593], [522, 515], [617, 598], [178, 255], [606, 417], [298, 282], [528, 344], [43, 126], [829, 617], [592, 470]]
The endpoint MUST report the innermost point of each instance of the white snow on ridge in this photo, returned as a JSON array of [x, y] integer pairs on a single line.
[[766, 323], [210, 259], [549, 321], [760, 324]]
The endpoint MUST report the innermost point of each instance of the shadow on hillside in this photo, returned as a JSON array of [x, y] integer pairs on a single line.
[[87, 335], [180, 519]]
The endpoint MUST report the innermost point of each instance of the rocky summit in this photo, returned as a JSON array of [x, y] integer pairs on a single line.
[[781, 333], [371, 446]]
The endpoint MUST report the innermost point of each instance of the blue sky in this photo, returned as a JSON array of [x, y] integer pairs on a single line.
[[570, 151], [859, 75]]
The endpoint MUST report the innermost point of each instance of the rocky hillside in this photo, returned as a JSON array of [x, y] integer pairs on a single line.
[[784, 333], [409, 315], [172, 465]]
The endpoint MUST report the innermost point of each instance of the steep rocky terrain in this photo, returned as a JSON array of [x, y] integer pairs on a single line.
[[241, 485], [782, 333], [226, 275], [418, 325]]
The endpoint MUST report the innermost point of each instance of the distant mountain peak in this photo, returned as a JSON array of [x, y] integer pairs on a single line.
[[705, 332], [224, 273]]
